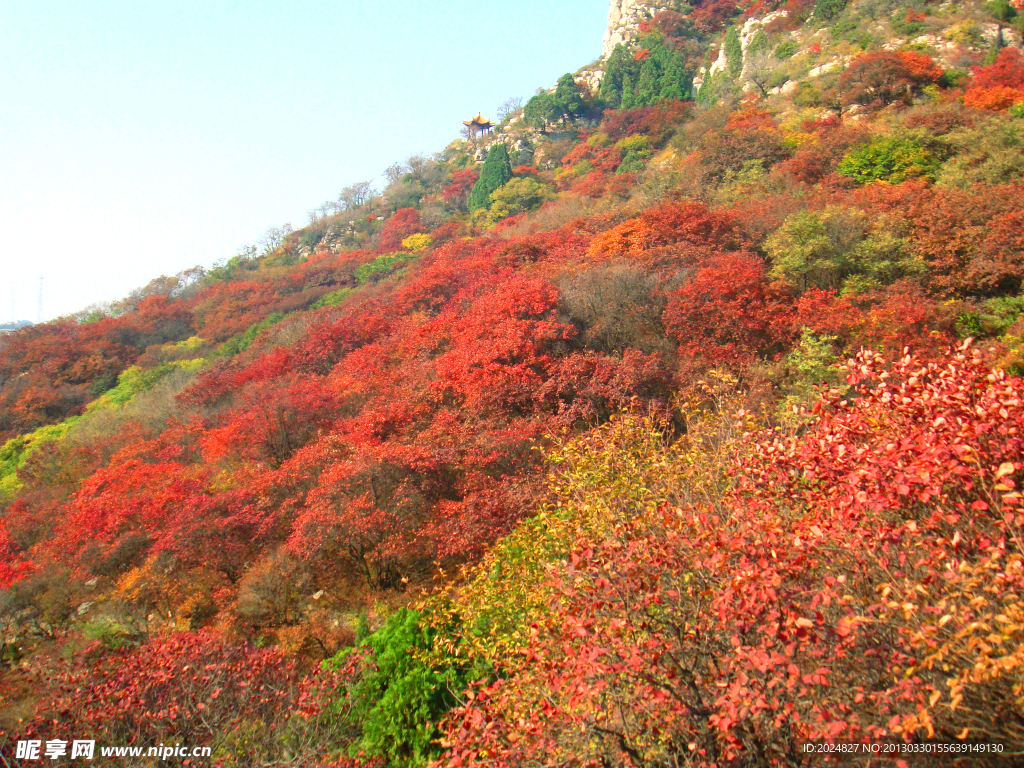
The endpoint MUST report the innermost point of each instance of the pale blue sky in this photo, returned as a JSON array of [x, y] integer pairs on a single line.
[[140, 138]]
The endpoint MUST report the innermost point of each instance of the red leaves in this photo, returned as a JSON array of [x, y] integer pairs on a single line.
[[998, 86], [190, 687], [789, 611], [729, 313], [882, 77], [405, 222], [692, 230]]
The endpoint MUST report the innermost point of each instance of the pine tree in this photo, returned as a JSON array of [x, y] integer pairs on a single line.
[[496, 172], [662, 76], [734, 52], [569, 97], [542, 110], [620, 67]]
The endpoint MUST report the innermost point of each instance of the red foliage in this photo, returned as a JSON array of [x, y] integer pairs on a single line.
[[656, 122], [405, 222], [667, 23], [840, 593], [750, 134], [603, 159], [883, 77], [48, 372], [815, 160], [191, 687], [685, 232], [712, 15], [889, 319], [999, 85], [728, 313], [969, 239], [455, 194]]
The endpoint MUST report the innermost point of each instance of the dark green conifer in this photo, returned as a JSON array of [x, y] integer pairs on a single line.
[[542, 110], [621, 65], [734, 52], [567, 92], [496, 172]]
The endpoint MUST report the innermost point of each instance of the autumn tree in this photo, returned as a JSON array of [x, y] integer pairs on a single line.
[[884, 77]]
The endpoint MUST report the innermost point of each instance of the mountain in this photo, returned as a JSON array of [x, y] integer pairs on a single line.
[[675, 420]]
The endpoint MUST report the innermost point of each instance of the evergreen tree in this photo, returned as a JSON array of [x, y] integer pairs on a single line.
[[569, 97], [628, 92], [497, 171], [759, 44], [734, 52], [620, 67], [542, 110], [663, 75]]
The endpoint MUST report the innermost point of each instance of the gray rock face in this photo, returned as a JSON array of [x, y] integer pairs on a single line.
[[624, 16]]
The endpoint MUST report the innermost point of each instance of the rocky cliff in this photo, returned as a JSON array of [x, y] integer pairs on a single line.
[[624, 17]]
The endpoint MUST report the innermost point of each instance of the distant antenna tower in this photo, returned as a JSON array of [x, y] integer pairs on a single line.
[[40, 318]]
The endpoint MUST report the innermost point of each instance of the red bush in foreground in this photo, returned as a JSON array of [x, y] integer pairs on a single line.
[[863, 581]]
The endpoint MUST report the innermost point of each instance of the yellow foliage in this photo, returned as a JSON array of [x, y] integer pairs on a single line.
[[609, 483], [419, 242]]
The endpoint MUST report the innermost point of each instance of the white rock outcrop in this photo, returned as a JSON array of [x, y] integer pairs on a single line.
[[624, 17]]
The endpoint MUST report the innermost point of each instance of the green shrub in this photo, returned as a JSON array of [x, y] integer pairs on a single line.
[[806, 95], [786, 50], [244, 340], [998, 314], [825, 248], [402, 691], [518, 196], [382, 266], [889, 159], [332, 299], [991, 152], [828, 9], [809, 365], [311, 237]]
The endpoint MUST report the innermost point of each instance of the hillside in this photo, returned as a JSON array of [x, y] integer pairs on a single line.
[[675, 421]]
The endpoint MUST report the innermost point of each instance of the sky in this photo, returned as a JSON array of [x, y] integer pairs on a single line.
[[143, 138]]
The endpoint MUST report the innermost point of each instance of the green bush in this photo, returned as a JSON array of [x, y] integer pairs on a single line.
[[998, 314], [889, 159], [992, 152], [786, 50], [382, 266], [244, 340], [332, 299], [809, 365], [826, 248], [518, 196], [402, 691], [311, 237], [806, 95], [829, 9]]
